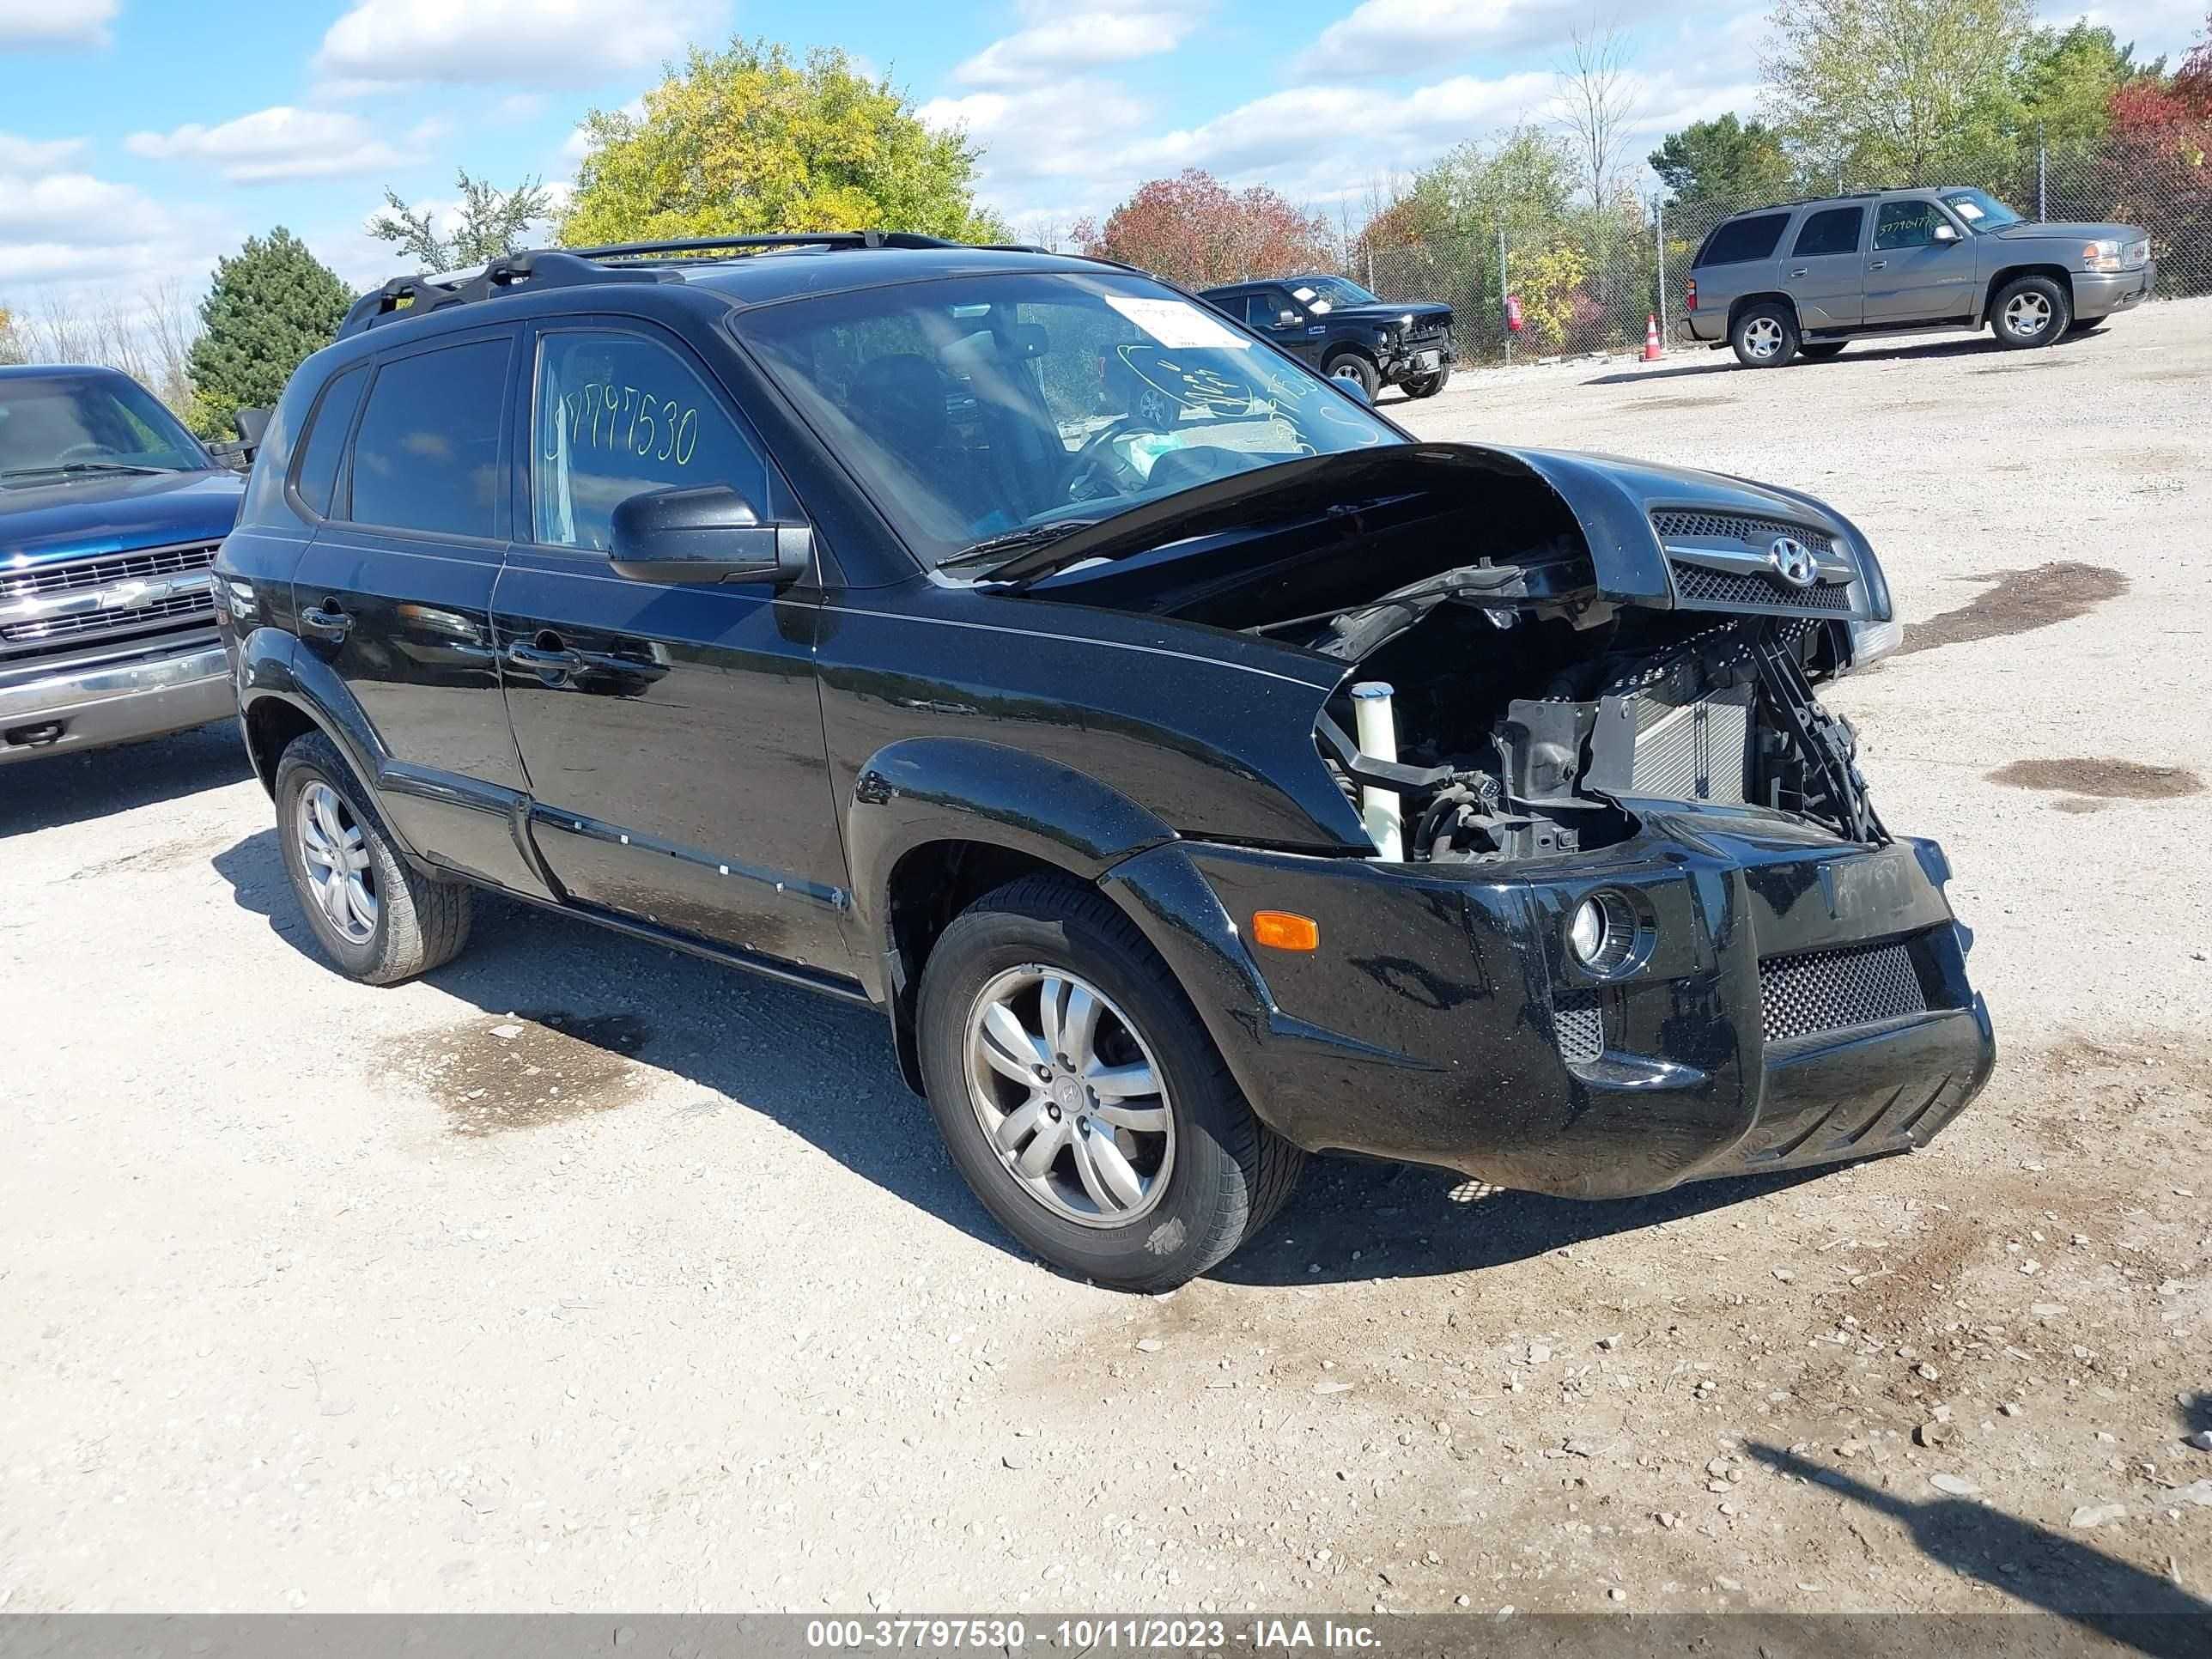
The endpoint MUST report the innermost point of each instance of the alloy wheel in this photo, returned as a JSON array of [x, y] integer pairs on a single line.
[[2027, 315], [1346, 371], [334, 851], [1762, 337], [1069, 1095]]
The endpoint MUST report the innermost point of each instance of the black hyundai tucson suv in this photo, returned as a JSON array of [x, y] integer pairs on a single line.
[[1199, 770]]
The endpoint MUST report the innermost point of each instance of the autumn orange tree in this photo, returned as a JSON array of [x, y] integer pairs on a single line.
[[1194, 229]]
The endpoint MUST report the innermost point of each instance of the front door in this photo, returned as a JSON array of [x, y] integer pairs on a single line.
[[1825, 271], [1274, 313], [672, 732], [394, 592], [1911, 275]]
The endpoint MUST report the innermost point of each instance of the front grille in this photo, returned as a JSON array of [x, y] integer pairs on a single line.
[[42, 581], [1579, 1026], [48, 629], [1676, 524], [1696, 585], [1834, 990]]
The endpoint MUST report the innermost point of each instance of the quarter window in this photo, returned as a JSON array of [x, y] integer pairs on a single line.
[[1742, 240], [326, 440], [426, 455], [1832, 230], [617, 416], [1906, 224]]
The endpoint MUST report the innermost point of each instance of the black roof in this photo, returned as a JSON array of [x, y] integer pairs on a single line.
[[747, 270]]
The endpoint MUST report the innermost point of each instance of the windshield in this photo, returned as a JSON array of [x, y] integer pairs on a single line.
[[53, 425], [1332, 292], [980, 409], [1982, 211]]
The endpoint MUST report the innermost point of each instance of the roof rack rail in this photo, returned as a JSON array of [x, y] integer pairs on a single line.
[[834, 238], [538, 268]]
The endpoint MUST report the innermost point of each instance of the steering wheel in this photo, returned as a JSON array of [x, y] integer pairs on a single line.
[[1098, 458]]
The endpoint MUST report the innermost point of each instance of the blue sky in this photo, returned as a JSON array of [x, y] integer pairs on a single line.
[[140, 138]]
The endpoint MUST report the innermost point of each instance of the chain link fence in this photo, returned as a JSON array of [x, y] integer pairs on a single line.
[[1587, 280]]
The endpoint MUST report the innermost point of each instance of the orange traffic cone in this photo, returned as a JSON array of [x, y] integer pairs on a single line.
[[1650, 338]]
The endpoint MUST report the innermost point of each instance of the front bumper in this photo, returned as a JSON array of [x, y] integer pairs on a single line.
[[2100, 294], [1442, 1022], [91, 705], [1418, 357]]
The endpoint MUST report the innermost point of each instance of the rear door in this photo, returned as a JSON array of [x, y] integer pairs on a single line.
[[1824, 269], [1911, 276], [673, 733]]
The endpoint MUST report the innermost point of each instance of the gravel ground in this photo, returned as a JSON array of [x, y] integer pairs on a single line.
[[586, 1276]]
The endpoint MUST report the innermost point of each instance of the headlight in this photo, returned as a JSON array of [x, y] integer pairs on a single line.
[[1605, 935], [1873, 640], [2100, 256]]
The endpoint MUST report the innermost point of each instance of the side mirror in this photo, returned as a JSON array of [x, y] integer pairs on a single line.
[[704, 533], [1284, 320], [253, 426], [1946, 233]]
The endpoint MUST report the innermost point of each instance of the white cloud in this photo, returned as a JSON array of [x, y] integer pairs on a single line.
[[284, 142], [60, 225], [524, 43], [1414, 37], [25, 24], [1048, 146], [35, 154], [1060, 41]]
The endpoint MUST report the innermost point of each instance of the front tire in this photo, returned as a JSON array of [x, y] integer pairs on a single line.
[[375, 918], [1427, 386], [2031, 311], [1080, 1096], [1764, 336], [1354, 369]]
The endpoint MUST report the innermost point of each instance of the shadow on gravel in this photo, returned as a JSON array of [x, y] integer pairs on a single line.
[[2140, 1610], [1978, 345], [822, 1069], [1353, 1220], [37, 794]]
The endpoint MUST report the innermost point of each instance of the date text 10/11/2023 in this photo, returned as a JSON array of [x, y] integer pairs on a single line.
[[1138, 1635]]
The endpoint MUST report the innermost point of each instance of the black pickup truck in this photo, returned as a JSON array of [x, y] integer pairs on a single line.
[[1346, 333]]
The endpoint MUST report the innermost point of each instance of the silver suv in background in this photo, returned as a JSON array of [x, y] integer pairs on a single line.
[[1806, 278]]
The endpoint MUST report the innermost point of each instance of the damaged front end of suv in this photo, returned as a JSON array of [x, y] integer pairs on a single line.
[[1628, 915]]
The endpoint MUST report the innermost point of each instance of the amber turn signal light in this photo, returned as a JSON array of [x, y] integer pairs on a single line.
[[1281, 931]]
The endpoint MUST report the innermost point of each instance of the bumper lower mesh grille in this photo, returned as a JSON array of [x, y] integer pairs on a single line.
[[1834, 990], [1695, 585], [1579, 1026]]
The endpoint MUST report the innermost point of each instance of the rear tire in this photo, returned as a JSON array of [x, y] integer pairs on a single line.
[[1426, 386], [1192, 1189], [1820, 351], [2031, 311], [1764, 336], [1351, 366], [376, 919]]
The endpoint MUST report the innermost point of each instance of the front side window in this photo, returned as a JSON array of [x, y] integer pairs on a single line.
[[1906, 224], [54, 425], [617, 415], [976, 408], [1742, 240], [1832, 230], [426, 455]]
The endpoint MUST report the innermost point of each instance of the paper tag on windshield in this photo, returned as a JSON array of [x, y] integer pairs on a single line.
[[1177, 323], [1966, 210]]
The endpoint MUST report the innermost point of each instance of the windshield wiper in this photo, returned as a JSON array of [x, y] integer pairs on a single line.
[[1015, 541], [84, 466]]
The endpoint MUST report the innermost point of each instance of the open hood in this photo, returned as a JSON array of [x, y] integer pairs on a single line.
[[1292, 539]]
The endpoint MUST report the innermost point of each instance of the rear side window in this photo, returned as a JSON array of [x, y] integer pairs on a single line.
[[426, 455], [1832, 230], [326, 440], [1741, 239]]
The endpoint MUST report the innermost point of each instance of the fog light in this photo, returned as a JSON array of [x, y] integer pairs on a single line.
[[1604, 934]]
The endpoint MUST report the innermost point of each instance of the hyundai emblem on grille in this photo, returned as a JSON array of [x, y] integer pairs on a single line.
[[1792, 561]]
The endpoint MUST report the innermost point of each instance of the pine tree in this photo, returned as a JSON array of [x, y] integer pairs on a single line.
[[269, 306]]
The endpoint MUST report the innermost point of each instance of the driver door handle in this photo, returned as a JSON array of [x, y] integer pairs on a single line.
[[1879, 265], [1800, 271], [538, 660], [328, 620]]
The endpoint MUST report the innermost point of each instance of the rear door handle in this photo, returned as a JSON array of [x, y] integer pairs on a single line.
[[1800, 271], [1879, 265], [326, 621]]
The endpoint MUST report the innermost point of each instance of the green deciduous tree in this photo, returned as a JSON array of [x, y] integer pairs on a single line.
[[2067, 80], [1525, 182], [1724, 161], [492, 223], [271, 304], [1895, 92], [750, 140]]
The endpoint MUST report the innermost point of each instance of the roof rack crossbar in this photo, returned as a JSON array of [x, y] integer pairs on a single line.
[[536, 268]]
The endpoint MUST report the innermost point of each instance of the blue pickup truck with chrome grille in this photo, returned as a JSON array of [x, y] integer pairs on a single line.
[[110, 515]]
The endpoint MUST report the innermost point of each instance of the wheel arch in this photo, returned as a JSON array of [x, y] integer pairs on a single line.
[[1744, 302], [1998, 280], [1342, 348], [283, 692], [935, 823]]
